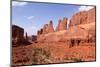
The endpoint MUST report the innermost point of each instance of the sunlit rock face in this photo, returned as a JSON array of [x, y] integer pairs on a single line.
[[91, 15], [50, 27], [83, 17], [62, 24], [81, 27]]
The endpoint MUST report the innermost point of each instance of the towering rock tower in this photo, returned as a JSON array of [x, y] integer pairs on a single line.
[[26, 37], [58, 26], [50, 27], [62, 24], [45, 29]]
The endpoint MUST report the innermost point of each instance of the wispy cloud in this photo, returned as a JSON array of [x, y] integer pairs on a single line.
[[14, 3], [85, 8], [30, 17]]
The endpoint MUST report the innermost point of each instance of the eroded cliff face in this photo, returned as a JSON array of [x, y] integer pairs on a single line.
[[78, 18], [91, 15], [83, 17], [81, 28]]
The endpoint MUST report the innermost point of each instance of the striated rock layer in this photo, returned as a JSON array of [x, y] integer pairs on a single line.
[[83, 17]]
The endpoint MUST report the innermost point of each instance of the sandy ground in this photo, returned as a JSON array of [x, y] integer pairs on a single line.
[[59, 52]]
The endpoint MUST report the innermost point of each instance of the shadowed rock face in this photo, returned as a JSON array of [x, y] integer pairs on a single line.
[[45, 29], [83, 17], [18, 38], [39, 32], [17, 34]]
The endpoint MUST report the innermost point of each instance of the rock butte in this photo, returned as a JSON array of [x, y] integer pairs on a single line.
[[17, 34]]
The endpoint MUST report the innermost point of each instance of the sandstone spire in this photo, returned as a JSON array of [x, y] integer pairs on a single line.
[[50, 27], [62, 24], [45, 29], [58, 26], [26, 36], [38, 32]]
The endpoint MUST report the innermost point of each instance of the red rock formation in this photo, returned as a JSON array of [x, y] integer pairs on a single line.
[[78, 18], [41, 31], [50, 27], [45, 29], [83, 17], [62, 24], [58, 26], [17, 34], [38, 32], [92, 15]]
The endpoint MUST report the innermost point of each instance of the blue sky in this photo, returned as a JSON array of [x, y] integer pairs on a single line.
[[32, 16]]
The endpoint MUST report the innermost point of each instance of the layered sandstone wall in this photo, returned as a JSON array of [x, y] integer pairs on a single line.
[[83, 17], [92, 15]]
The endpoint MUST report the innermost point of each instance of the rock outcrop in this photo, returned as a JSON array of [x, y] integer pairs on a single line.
[[62, 24], [81, 29], [91, 15], [59, 24], [17, 34], [50, 27], [83, 17], [47, 28]]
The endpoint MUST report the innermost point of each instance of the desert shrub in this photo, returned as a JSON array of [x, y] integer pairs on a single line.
[[40, 56], [77, 59]]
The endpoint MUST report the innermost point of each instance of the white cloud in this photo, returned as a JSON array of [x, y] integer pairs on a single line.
[[30, 17], [14, 3], [85, 8]]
